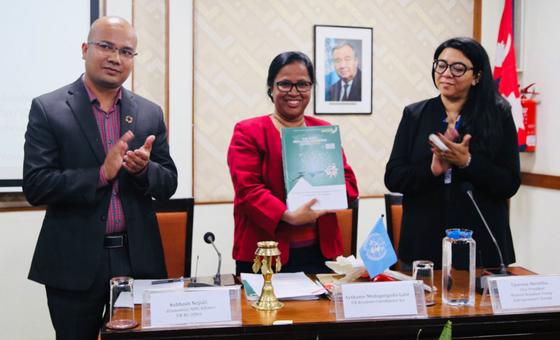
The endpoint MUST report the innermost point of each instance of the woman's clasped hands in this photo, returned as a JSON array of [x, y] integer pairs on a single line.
[[457, 154]]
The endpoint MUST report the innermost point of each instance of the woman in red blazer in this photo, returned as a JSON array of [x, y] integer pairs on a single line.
[[306, 237]]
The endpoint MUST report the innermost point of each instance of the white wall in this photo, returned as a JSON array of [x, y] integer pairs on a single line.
[[534, 211], [34, 63], [24, 313], [541, 58], [490, 21], [534, 222]]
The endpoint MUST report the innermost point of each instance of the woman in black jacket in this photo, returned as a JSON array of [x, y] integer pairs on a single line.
[[475, 124]]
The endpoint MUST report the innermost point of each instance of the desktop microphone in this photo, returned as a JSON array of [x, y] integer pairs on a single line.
[[210, 238], [194, 280], [468, 189]]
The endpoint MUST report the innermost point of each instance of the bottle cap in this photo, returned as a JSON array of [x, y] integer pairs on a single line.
[[457, 233]]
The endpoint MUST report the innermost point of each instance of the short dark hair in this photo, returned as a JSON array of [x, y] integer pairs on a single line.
[[342, 44], [482, 113], [284, 59]]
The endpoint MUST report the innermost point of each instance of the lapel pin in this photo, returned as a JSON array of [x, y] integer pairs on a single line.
[[128, 119]]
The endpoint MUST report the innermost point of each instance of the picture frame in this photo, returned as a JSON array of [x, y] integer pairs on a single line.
[[343, 53]]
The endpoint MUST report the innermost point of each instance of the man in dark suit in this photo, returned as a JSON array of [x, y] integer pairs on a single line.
[[96, 154], [349, 87]]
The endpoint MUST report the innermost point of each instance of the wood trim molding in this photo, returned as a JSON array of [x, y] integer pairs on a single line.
[[529, 179], [540, 180], [477, 20], [20, 209]]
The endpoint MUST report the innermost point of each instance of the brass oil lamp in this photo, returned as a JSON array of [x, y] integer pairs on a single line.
[[267, 251]]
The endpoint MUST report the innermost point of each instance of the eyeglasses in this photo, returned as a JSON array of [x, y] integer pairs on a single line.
[[301, 86], [456, 69], [107, 47]]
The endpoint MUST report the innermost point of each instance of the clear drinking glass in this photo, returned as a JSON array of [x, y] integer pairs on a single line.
[[423, 270], [122, 303]]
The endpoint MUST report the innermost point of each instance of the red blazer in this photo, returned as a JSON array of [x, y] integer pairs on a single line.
[[255, 163]]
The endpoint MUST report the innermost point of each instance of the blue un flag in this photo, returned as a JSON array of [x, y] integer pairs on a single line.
[[377, 251]]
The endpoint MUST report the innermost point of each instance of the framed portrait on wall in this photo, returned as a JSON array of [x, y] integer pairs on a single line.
[[343, 69]]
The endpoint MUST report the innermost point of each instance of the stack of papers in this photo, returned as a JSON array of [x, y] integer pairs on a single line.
[[287, 286], [141, 285], [403, 277]]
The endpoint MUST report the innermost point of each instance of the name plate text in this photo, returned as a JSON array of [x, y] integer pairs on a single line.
[[184, 307], [521, 293], [379, 299]]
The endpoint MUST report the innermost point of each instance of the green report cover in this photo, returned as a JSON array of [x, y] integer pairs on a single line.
[[313, 168]]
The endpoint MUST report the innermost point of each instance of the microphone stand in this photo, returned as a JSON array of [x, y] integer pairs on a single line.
[[194, 280], [218, 277], [481, 282], [209, 238]]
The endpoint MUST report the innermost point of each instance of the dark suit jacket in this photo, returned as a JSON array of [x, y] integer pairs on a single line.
[[63, 154], [430, 206], [355, 92]]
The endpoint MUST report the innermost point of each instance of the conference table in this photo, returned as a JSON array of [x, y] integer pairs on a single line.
[[316, 320]]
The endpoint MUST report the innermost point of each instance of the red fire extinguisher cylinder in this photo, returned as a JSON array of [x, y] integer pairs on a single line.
[[529, 105]]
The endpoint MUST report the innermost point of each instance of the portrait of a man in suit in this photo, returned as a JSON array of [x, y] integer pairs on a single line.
[[349, 86]]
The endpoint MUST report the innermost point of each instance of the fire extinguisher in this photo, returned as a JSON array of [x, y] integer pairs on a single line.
[[529, 105]]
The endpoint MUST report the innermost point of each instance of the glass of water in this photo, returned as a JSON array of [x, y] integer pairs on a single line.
[[423, 270], [122, 303]]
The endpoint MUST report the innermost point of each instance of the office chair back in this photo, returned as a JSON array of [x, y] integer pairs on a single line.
[[393, 213], [348, 223], [175, 219]]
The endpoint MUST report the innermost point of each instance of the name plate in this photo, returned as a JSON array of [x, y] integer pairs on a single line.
[[385, 300], [527, 293], [191, 307]]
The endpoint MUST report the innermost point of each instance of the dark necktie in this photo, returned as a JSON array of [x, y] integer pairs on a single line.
[[345, 93]]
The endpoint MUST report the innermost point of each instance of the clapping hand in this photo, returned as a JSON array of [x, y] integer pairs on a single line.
[[439, 165], [135, 161], [458, 154], [114, 159]]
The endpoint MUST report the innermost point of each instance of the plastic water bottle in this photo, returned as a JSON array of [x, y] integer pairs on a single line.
[[458, 267]]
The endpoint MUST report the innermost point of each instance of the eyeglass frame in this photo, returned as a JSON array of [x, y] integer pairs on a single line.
[[292, 85], [450, 67], [121, 51]]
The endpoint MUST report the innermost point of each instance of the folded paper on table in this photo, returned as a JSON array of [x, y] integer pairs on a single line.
[[351, 267], [287, 286]]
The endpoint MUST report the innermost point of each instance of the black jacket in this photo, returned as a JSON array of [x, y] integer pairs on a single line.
[[430, 206]]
